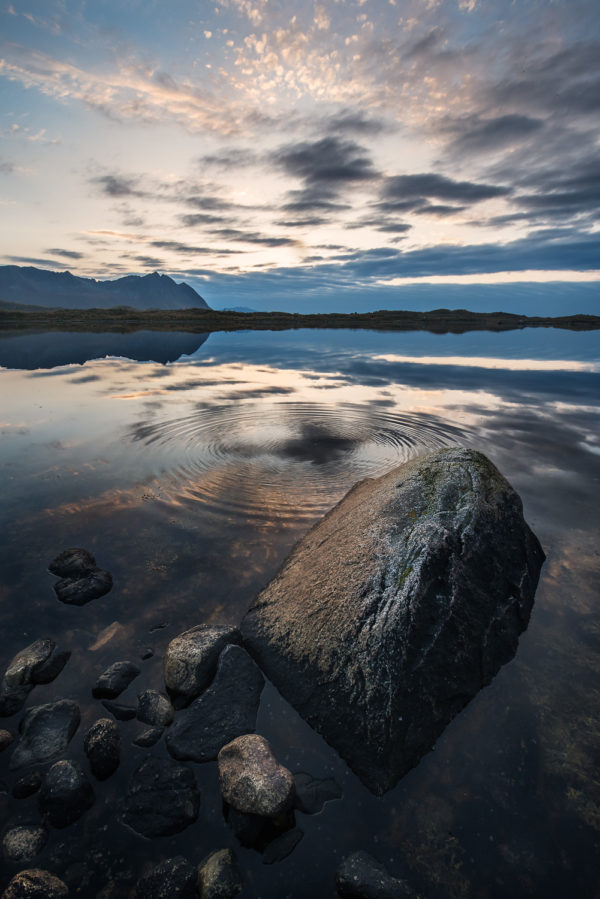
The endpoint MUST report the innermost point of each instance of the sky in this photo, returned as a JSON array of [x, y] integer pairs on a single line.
[[281, 154]]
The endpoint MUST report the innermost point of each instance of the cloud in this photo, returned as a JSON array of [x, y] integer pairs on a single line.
[[424, 187], [118, 186], [68, 254], [179, 247], [254, 237], [331, 160], [473, 135]]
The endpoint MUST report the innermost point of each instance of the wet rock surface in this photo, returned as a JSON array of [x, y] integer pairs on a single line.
[[121, 711], [190, 660], [45, 732], [35, 884], [312, 793], [24, 842], [65, 794], [102, 745], [163, 798], [225, 710], [154, 708], [6, 738], [115, 680], [360, 876], [149, 737], [38, 663], [28, 785], [77, 591], [398, 607], [219, 876], [175, 878], [72, 563], [251, 778]]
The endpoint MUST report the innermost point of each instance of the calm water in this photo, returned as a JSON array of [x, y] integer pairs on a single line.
[[192, 475]]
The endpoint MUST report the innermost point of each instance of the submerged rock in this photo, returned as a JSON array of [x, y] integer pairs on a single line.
[[6, 739], [102, 745], [65, 795], [28, 785], [77, 591], [115, 680], [154, 708], [46, 731], [35, 884], [225, 711], [190, 660], [312, 793], [38, 663], [175, 878], [219, 876], [24, 842], [72, 563], [282, 846], [148, 737], [398, 607], [163, 798], [120, 711], [360, 876], [251, 778]]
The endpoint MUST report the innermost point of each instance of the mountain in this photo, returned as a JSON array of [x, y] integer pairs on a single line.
[[30, 286]]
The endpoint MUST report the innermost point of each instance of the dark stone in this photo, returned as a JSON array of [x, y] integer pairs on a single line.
[[6, 739], [120, 711], [102, 745], [24, 842], [219, 876], [360, 876], [45, 732], [35, 884], [38, 663], [225, 711], [149, 737], [248, 829], [52, 667], [154, 708], [282, 846], [174, 878], [312, 794], [394, 610], [12, 699], [72, 563], [146, 654], [251, 778], [77, 591], [28, 785], [65, 794], [114, 680], [190, 661], [163, 798]]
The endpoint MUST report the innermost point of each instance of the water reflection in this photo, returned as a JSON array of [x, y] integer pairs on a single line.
[[190, 482]]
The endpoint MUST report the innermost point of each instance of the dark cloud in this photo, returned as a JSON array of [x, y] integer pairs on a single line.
[[351, 121], [146, 261], [200, 219], [179, 247], [309, 222], [68, 254], [118, 186], [329, 161], [423, 46], [230, 158], [254, 237], [424, 187], [35, 260], [7, 168], [475, 135], [207, 201]]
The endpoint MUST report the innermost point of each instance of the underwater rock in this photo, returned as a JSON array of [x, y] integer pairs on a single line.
[[163, 798], [45, 732], [102, 745], [397, 607], [190, 660], [219, 876], [77, 591], [72, 563], [225, 711], [115, 680], [360, 876], [312, 793], [6, 739], [120, 711], [38, 663], [154, 708], [35, 884], [28, 785], [174, 878], [251, 778], [24, 842], [65, 794], [149, 737], [282, 846]]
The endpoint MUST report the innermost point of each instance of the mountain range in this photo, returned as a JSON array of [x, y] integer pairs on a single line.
[[29, 286]]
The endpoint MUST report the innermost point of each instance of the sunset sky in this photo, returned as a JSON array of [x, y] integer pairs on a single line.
[[257, 148]]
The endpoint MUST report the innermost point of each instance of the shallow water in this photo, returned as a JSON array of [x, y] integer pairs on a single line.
[[191, 477]]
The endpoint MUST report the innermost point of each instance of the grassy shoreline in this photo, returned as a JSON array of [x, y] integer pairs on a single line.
[[125, 319]]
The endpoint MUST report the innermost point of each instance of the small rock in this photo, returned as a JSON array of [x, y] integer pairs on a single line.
[[38, 663], [282, 846], [35, 884], [227, 709], [6, 739], [219, 876], [154, 708], [102, 745], [149, 737], [312, 794], [174, 878], [72, 563], [28, 785], [21, 670], [163, 798], [114, 680], [360, 876], [65, 795], [120, 711], [46, 731], [251, 778], [146, 653], [77, 591], [22, 843], [190, 661], [12, 699], [52, 667]]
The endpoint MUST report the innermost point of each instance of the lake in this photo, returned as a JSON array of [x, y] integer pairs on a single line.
[[189, 465]]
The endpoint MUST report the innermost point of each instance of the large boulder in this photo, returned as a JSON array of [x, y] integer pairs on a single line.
[[397, 607]]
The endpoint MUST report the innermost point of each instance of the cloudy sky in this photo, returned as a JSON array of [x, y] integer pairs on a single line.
[[258, 147]]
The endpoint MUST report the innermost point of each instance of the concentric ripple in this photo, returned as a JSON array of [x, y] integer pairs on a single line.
[[282, 461]]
